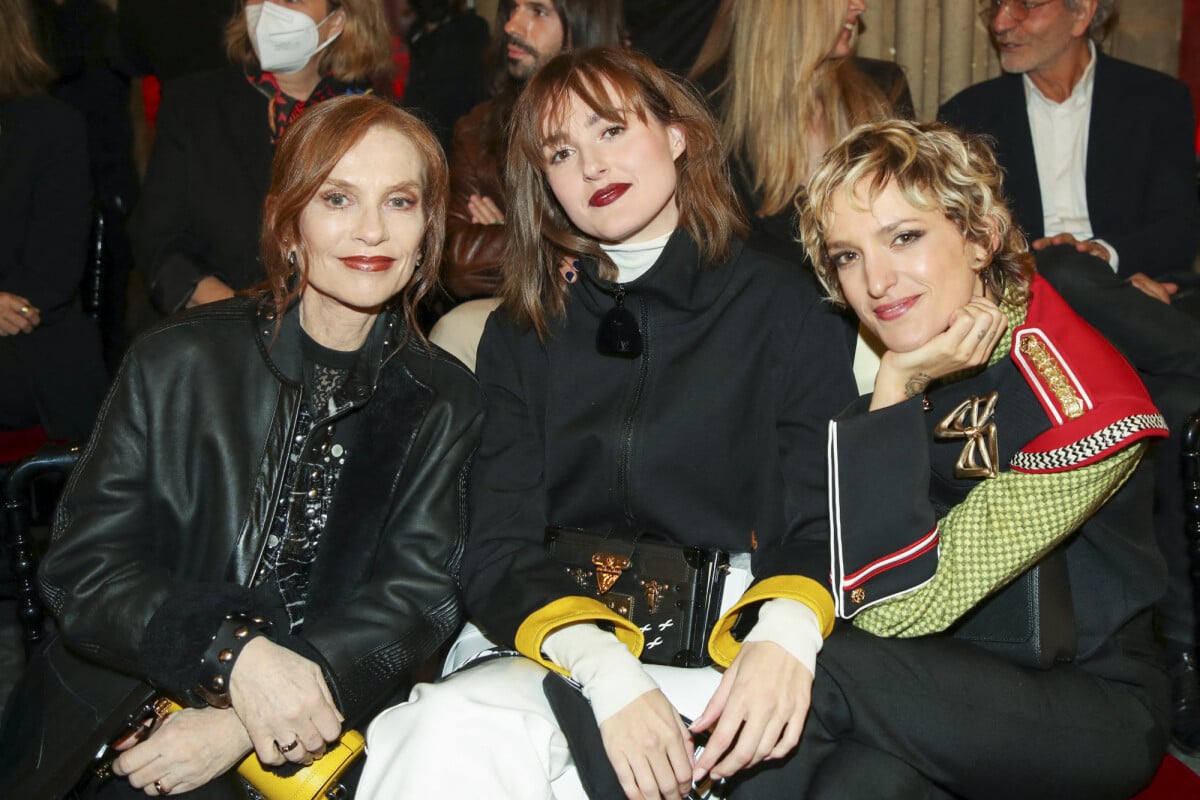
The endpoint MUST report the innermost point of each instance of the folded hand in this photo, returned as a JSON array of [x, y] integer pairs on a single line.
[[484, 210], [17, 314], [1156, 289], [282, 699]]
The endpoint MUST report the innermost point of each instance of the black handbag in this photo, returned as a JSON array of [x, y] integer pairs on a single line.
[[672, 592], [1031, 621]]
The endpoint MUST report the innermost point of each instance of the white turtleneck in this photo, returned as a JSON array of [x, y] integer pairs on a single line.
[[635, 259]]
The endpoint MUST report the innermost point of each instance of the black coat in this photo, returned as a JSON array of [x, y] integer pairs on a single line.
[[55, 374], [445, 77], [166, 517], [714, 436], [200, 212], [1140, 172]]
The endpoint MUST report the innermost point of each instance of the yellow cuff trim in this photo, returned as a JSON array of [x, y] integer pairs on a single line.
[[567, 611], [724, 648]]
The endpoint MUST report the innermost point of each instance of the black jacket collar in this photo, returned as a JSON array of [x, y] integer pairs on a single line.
[[677, 283], [282, 353]]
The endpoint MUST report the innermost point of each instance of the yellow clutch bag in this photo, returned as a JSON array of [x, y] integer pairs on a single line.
[[317, 781]]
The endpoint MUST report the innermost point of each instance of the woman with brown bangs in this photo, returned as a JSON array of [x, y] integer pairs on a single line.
[[195, 230], [677, 384], [267, 523]]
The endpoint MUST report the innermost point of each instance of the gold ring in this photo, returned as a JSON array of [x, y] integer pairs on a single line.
[[24, 310], [287, 748], [158, 787]]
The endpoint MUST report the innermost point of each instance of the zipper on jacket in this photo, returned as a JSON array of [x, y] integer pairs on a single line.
[[625, 453]]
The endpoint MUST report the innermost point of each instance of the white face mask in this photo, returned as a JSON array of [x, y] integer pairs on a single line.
[[283, 39]]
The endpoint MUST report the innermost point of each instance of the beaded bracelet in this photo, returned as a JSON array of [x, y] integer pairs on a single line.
[[222, 652]]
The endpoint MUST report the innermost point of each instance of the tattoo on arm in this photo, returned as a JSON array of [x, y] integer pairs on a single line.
[[917, 384]]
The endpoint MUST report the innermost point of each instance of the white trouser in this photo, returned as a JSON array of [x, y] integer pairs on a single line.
[[488, 731]]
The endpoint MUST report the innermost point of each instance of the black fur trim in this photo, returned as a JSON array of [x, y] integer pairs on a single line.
[[172, 651], [362, 499]]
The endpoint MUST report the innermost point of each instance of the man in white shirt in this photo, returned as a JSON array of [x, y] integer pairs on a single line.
[[1098, 151]]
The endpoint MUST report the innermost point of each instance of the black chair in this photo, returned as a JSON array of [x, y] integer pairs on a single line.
[[30, 490]]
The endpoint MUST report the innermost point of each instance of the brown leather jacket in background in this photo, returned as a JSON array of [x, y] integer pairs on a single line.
[[473, 252]]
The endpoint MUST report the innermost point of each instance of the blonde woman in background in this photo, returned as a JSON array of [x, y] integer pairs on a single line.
[[785, 86]]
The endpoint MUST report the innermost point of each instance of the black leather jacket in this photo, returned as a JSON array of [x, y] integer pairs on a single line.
[[167, 514]]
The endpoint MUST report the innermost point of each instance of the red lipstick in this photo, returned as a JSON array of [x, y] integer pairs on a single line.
[[894, 310], [368, 263], [608, 194]]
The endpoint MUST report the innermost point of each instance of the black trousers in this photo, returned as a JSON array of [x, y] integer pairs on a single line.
[[53, 377], [938, 718]]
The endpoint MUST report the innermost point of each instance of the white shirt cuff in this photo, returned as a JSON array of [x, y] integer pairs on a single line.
[[1113, 259], [791, 625], [611, 676]]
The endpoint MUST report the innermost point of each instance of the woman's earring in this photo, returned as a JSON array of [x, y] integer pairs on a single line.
[[292, 259]]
